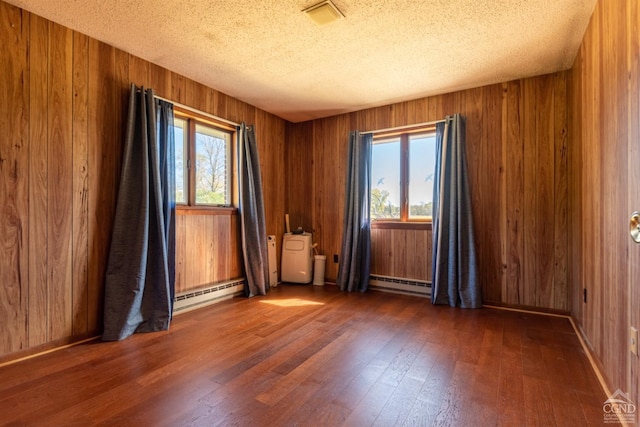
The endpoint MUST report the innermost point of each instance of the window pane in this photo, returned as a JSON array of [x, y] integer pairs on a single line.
[[212, 166], [180, 135], [422, 162], [385, 175]]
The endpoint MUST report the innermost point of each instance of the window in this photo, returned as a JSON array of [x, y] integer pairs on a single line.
[[203, 161], [402, 176]]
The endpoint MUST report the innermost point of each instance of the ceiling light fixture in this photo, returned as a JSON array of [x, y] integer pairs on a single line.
[[323, 13]]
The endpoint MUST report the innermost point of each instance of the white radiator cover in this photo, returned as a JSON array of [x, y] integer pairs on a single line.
[[201, 297], [400, 285]]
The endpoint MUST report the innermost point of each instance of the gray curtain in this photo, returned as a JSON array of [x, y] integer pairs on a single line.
[[140, 277], [251, 209], [455, 272], [355, 252]]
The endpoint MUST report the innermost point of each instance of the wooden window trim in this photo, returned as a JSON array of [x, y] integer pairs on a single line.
[[205, 210], [404, 222], [398, 225]]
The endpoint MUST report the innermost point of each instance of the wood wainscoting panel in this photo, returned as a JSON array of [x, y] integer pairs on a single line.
[[401, 253]]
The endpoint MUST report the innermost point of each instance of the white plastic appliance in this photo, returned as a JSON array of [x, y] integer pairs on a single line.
[[297, 258]]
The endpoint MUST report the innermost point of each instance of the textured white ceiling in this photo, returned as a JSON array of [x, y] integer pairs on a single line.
[[271, 55]]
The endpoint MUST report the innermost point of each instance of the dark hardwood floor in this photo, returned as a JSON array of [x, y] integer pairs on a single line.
[[313, 356]]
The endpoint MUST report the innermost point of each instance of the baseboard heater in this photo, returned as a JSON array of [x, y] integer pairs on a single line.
[[400, 285], [216, 292]]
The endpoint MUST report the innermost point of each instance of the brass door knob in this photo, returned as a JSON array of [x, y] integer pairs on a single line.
[[634, 226]]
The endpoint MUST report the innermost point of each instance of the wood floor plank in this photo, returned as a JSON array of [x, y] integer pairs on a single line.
[[311, 356]]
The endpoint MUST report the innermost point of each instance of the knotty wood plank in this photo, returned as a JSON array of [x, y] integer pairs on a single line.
[[38, 289], [14, 178], [80, 174]]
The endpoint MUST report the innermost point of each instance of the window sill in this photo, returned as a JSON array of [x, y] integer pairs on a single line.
[[399, 225], [205, 210]]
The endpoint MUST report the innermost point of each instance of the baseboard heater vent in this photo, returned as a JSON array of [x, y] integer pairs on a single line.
[[400, 285], [196, 298]]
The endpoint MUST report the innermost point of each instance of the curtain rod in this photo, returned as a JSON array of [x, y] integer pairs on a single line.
[[403, 127], [186, 107]]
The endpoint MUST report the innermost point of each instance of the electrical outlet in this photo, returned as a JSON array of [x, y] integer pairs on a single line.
[[633, 340], [335, 258]]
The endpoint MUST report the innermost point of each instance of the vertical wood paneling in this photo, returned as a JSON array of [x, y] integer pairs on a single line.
[[223, 236], [235, 253], [575, 199], [80, 185], [178, 88], [544, 192], [38, 181], [60, 179], [633, 30], [160, 80], [530, 185], [181, 284], [604, 137], [139, 71], [516, 148], [299, 174], [14, 170], [62, 120], [514, 190], [102, 174], [490, 187], [401, 253], [560, 182]]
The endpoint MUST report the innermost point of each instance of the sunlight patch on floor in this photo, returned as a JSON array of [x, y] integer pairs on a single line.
[[292, 302]]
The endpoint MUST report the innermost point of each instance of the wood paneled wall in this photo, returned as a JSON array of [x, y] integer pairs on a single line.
[[517, 157], [63, 103], [401, 253], [207, 250], [605, 153]]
